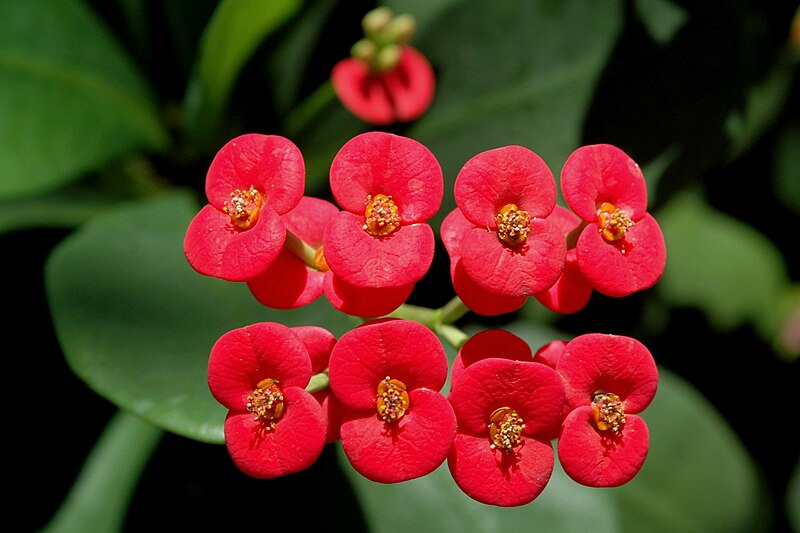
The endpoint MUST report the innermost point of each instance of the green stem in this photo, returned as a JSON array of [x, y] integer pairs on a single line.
[[318, 382], [303, 114], [301, 249], [453, 310], [453, 335], [424, 315], [99, 499]]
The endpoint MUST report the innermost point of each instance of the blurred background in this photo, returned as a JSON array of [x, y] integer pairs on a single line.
[[110, 113]]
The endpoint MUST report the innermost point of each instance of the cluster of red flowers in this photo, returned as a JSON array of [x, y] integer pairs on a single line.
[[378, 388]]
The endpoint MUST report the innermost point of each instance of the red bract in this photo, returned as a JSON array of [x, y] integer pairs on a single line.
[[471, 294], [366, 302], [571, 292], [401, 93], [274, 427], [320, 342], [252, 180], [513, 249], [485, 344], [505, 409], [396, 425], [607, 380], [288, 282], [388, 186], [622, 249]]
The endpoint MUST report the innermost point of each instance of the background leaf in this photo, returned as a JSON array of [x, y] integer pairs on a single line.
[[70, 100], [696, 478], [720, 265], [233, 34], [136, 323]]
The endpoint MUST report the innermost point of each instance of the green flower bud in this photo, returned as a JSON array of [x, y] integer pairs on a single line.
[[365, 50], [387, 58], [376, 20]]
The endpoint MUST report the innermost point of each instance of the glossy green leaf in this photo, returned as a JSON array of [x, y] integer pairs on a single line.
[[515, 72], [720, 265], [70, 99], [233, 34], [697, 477], [136, 323]]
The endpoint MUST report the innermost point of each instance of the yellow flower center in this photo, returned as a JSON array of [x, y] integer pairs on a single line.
[[513, 224], [392, 399], [319, 260], [266, 402], [243, 207], [380, 216], [608, 411], [505, 429], [613, 222]]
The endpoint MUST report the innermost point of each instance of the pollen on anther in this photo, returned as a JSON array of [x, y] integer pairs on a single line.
[[608, 411], [381, 217], [391, 400], [505, 429], [513, 224], [244, 207], [266, 403], [613, 222]]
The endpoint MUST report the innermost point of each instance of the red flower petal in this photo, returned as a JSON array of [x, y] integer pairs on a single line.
[[319, 342], [362, 260], [333, 411], [476, 299], [533, 390], [410, 85], [601, 459], [603, 173], [362, 92], [524, 270], [364, 302], [382, 163], [410, 448], [242, 357], [489, 343], [270, 163], [400, 94], [214, 247], [309, 218], [287, 284], [550, 353], [571, 292], [507, 175], [634, 263], [401, 349], [294, 444], [497, 478], [609, 363]]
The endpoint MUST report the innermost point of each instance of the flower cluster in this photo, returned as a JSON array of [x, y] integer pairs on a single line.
[[377, 389]]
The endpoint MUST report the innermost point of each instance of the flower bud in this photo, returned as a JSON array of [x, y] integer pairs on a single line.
[[376, 20], [387, 57]]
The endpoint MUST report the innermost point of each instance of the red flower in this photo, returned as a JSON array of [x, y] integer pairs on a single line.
[[622, 249], [396, 425], [402, 92], [274, 427], [320, 342], [252, 180], [513, 249], [496, 343], [506, 409], [388, 186], [607, 380], [571, 292], [366, 302], [474, 297], [288, 282]]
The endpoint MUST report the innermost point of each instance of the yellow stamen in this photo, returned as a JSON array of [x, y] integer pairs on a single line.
[[513, 224], [381, 217], [392, 399], [613, 222], [244, 207], [608, 411], [266, 403], [505, 429]]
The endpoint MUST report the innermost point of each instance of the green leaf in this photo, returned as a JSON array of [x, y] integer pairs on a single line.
[[69, 97], [99, 499], [787, 168], [234, 33], [662, 18], [515, 72], [697, 477], [136, 323], [720, 265]]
